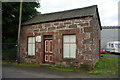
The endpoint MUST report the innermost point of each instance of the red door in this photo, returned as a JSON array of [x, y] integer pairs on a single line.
[[48, 51]]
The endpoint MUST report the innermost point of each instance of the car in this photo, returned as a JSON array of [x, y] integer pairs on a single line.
[[102, 51]]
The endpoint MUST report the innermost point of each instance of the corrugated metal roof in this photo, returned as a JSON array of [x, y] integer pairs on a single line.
[[110, 27], [62, 15]]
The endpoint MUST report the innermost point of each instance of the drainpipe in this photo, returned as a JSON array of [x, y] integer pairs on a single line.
[[18, 47]]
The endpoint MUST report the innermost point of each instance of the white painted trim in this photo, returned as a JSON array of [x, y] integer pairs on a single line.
[[47, 46], [47, 57]]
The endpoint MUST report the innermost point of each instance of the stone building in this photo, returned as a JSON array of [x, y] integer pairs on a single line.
[[66, 38]]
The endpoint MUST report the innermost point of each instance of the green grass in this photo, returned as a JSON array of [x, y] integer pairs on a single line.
[[107, 65], [66, 69], [22, 64], [60, 69]]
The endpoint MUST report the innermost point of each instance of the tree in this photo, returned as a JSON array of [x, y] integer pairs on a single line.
[[10, 21]]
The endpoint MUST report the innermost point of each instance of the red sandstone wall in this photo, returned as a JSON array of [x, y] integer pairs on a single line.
[[87, 33]]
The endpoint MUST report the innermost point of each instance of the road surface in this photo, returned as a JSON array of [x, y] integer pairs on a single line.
[[30, 72]]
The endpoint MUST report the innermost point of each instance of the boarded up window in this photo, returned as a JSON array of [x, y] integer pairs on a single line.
[[31, 45], [69, 46]]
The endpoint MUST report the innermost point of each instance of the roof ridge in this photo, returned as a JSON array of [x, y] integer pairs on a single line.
[[110, 27], [70, 10], [66, 14]]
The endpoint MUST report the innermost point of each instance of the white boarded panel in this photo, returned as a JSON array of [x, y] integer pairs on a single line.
[[31, 45], [33, 49], [66, 38], [69, 46], [38, 38], [72, 50], [31, 40], [66, 50], [72, 38], [29, 49]]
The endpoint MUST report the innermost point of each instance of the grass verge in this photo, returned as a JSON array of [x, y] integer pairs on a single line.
[[22, 64], [66, 69], [107, 65]]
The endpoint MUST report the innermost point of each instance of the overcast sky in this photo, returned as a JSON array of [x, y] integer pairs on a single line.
[[108, 9]]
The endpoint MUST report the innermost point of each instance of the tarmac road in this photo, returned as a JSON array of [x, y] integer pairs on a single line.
[[31, 72]]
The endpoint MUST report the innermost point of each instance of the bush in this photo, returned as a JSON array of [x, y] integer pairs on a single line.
[[9, 54]]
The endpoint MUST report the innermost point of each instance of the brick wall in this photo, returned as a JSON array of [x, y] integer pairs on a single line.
[[87, 33]]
